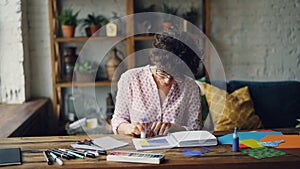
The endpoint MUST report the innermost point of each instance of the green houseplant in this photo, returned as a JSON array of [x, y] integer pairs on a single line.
[[167, 20], [68, 20], [94, 22], [85, 70]]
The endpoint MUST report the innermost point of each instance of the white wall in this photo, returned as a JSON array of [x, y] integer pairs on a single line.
[[258, 39], [13, 53], [39, 48]]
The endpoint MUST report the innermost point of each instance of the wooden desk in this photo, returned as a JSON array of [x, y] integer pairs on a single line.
[[27, 119], [222, 157]]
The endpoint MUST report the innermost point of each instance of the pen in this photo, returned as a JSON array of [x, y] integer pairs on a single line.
[[48, 159], [71, 156], [70, 152], [60, 154], [143, 133], [98, 152], [85, 153], [56, 159], [89, 151]]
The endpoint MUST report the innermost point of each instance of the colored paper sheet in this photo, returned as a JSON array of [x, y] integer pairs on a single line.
[[263, 152], [242, 146], [144, 143], [192, 153], [290, 141], [271, 143], [227, 139], [251, 143], [264, 130]]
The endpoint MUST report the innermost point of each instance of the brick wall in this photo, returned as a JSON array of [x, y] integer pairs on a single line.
[[257, 39], [12, 53]]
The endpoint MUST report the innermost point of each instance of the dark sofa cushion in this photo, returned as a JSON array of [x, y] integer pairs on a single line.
[[276, 103]]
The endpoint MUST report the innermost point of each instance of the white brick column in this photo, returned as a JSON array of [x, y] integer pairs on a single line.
[[13, 54]]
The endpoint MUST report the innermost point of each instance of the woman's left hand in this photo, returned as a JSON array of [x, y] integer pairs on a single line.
[[160, 128]]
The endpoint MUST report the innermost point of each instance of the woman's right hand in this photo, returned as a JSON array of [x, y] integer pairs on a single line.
[[132, 129]]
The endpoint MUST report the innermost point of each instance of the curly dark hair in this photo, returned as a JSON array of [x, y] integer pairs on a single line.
[[171, 49]]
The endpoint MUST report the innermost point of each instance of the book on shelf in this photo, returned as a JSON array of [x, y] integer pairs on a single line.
[[177, 139], [135, 157], [10, 156]]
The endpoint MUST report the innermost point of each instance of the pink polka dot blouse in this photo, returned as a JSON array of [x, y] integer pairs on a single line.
[[138, 98]]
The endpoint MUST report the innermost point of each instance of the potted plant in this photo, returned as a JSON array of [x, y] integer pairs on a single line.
[[167, 20], [69, 21], [94, 22], [85, 71]]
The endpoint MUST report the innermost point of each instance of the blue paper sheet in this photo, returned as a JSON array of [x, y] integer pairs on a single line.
[[227, 139], [190, 153]]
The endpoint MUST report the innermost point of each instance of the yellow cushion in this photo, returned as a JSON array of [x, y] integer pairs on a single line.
[[231, 110]]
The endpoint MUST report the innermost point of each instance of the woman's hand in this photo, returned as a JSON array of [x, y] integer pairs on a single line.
[[132, 129], [160, 128]]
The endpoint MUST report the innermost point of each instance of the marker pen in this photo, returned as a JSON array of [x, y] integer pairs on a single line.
[[235, 141], [70, 152], [86, 154], [93, 151], [143, 133], [48, 159], [101, 152], [71, 156], [60, 154], [56, 159], [88, 151]]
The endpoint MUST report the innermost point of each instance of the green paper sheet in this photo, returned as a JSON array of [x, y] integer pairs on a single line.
[[265, 152]]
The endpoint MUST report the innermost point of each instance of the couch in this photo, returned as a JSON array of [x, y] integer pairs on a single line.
[[276, 103]]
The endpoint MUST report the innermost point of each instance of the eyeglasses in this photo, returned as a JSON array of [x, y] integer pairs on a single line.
[[162, 74]]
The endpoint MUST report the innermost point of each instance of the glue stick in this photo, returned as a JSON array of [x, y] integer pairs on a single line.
[[143, 133], [235, 141]]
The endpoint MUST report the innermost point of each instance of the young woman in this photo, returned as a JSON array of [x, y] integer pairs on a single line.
[[163, 94]]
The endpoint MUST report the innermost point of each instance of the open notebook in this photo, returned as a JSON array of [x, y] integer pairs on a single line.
[[177, 139]]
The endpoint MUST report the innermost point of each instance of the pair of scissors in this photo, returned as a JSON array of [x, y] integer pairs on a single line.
[[88, 142]]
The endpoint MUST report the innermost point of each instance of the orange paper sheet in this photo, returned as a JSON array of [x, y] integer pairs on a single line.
[[290, 141]]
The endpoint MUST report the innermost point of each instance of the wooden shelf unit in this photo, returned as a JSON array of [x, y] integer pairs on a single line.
[[55, 41]]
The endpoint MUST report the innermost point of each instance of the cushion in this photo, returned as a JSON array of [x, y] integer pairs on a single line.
[[206, 119], [276, 103], [231, 110]]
